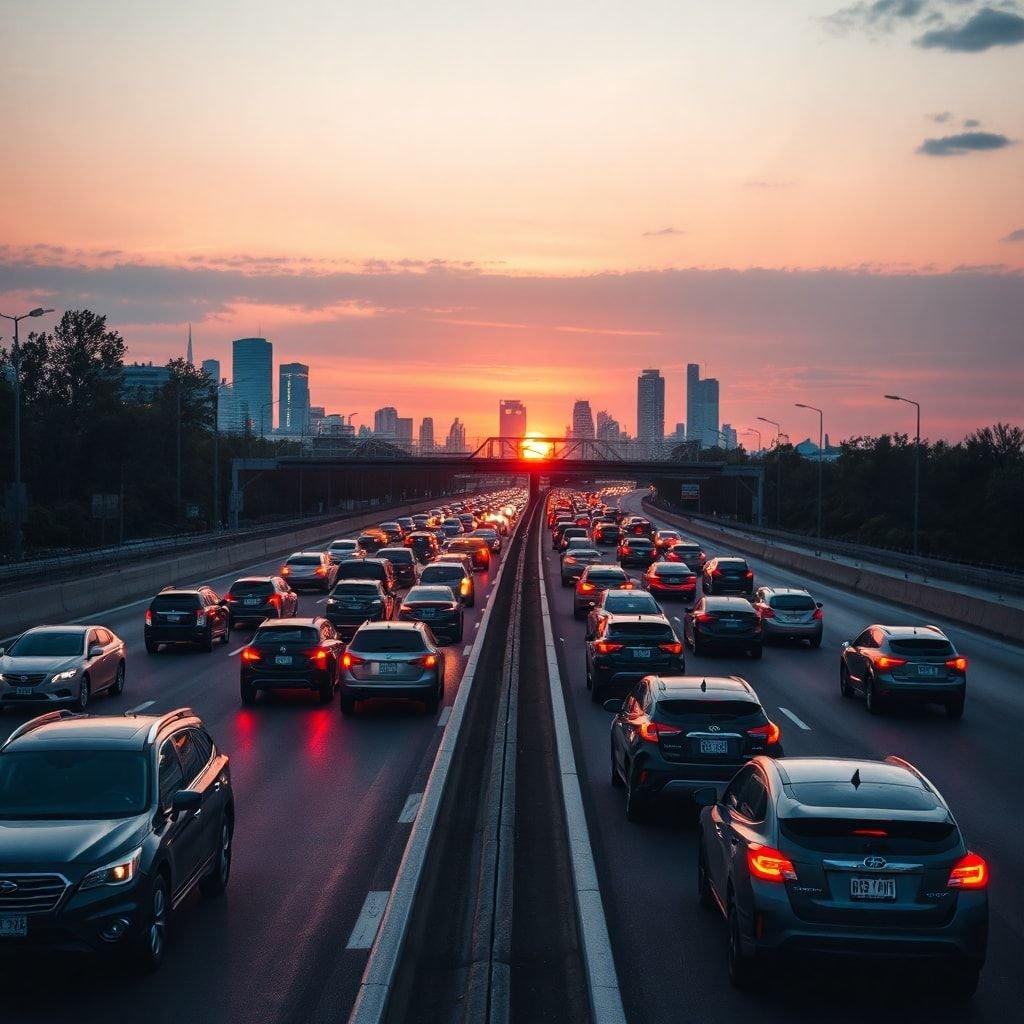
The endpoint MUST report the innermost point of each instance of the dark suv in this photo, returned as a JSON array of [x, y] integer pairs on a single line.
[[379, 569], [353, 602], [727, 576], [626, 647], [109, 823], [182, 616], [255, 598], [403, 564]]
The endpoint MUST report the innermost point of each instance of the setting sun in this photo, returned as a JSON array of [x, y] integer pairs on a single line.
[[532, 449]]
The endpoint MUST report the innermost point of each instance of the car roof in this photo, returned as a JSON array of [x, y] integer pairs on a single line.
[[305, 554], [787, 590], [67, 729], [401, 627], [392, 548], [255, 579], [725, 601], [313, 620], [905, 632], [361, 580], [730, 558], [60, 629], [705, 688], [634, 617], [343, 540]]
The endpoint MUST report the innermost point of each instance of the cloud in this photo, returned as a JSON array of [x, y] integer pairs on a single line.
[[940, 118], [983, 30], [1015, 236], [664, 233], [965, 142], [875, 15], [971, 122]]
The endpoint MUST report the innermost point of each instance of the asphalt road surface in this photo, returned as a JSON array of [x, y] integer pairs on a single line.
[[318, 800], [670, 954]]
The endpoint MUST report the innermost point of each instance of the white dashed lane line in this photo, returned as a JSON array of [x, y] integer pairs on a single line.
[[466, 650], [442, 720], [231, 654], [412, 805], [789, 714], [368, 921], [140, 707]]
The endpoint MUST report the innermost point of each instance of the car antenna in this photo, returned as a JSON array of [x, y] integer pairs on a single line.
[[703, 686], [855, 781]]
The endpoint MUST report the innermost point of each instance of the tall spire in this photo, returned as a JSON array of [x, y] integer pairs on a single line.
[[189, 355]]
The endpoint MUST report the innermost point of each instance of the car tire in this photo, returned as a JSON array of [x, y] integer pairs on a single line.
[[844, 680], [962, 982], [348, 704], [206, 644], [225, 637], [117, 688], [216, 880], [84, 693], [871, 699], [325, 691], [433, 702], [616, 778], [816, 641], [151, 943], [579, 614], [637, 808], [248, 694], [757, 652], [704, 894], [955, 708], [743, 968], [151, 647], [697, 646]]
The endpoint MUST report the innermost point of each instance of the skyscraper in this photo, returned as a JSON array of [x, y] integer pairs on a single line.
[[608, 428], [252, 372], [385, 422], [211, 367], [293, 395], [316, 417], [582, 419], [188, 351], [729, 437], [456, 436], [403, 429], [511, 418], [650, 411], [427, 434], [701, 407]]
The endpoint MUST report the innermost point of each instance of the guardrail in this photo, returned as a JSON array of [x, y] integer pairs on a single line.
[[991, 577]]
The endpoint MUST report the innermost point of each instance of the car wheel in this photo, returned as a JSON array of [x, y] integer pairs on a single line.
[[636, 806], [844, 680], [248, 693], [816, 641], [698, 647], [226, 635], [616, 778], [151, 648], [955, 708], [743, 970], [704, 895], [962, 982], [118, 688], [579, 613], [348, 704], [433, 702], [152, 940], [325, 691], [757, 652], [206, 644], [871, 699], [216, 881], [84, 692]]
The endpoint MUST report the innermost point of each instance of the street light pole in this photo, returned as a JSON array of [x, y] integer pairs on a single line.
[[18, 485], [754, 430], [778, 467], [821, 452], [917, 463]]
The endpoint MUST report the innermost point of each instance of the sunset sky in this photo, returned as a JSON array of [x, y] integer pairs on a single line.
[[438, 205]]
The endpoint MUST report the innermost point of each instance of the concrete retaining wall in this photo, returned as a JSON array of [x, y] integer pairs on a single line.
[[993, 617], [73, 599]]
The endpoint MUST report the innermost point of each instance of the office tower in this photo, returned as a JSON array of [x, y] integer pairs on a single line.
[[679, 434], [729, 437], [316, 418], [403, 429], [252, 373], [608, 428], [456, 436], [511, 418], [385, 422], [141, 382], [293, 398], [211, 367], [650, 410], [427, 434], [582, 419], [188, 351], [701, 407]]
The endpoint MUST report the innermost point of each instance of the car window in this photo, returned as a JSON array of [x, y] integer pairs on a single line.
[[203, 744], [169, 773], [92, 640], [732, 792], [104, 637], [370, 641], [752, 801], [864, 640], [189, 754]]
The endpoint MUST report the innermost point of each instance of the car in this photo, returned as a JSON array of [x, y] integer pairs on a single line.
[[439, 607], [665, 538], [291, 654], [727, 576], [393, 660], [406, 523], [789, 613], [344, 548], [489, 534], [571, 533], [605, 533], [403, 562], [561, 525], [353, 602], [371, 541], [379, 569], [454, 574], [574, 561], [419, 522], [674, 735], [255, 598], [687, 552], [117, 819], [476, 549], [468, 520], [312, 569], [670, 580], [423, 544], [723, 624], [185, 615], [593, 582], [904, 663], [637, 526], [636, 551], [624, 648], [452, 527], [622, 599], [842, 858], [62, 665], [393, 531]]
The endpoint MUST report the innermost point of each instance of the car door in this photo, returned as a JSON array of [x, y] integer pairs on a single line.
[[99, 667], [203, 827], [717, 840], [182, 831], [111, 655], [857, 658], [742, 829]]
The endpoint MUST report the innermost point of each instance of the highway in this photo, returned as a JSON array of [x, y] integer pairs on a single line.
[[670, 954], [318, 799]]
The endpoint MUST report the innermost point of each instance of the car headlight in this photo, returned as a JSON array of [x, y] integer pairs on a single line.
[[120, 872], [61, 676]]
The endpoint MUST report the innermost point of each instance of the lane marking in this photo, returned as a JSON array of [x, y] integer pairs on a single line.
[[231, 654], [442, 719], [140, 707], [322, 600], [466, 650], [412, 805], [369, 919], [476, 625], [789, 714]]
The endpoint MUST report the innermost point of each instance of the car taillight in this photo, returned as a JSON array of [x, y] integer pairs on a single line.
[[673, 648], [274, 600], [970, 872], [770, 733], [818, 614], [149, 617], [769, 864], [706, 617], [429, 661], [586, 588], [887, 661], [285, 571], [607, 647], [569, 560], [250, 654], [404, 609], [650, 731], [317, 655], [348, 660], [766, 612], [716, 572], [748, 575], [628, 585], [201, 617], [464, 587], [957, 664], [230, 597], [320, 571]]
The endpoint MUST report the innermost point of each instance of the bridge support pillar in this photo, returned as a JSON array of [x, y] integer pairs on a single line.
[[534, 484]]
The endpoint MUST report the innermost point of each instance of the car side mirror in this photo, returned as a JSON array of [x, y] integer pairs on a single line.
[[706, 797], [95, 652], [613, 706], [186, 800], [818, 604], [845, 644]]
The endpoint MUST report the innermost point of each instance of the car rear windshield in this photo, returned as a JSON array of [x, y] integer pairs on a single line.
[[709, 708], [671, 569], [355, 590], [865, 795], [691, 550], [441, 572], [395, 555], [360, 570], [793, 602], [173, 602], [621, 604], [344, 545], [250, 588], [304, 560], [430, 594], [641, 631], [386, 641], [584, 553], [732, 565], [921, 645], [287, 635], [607, 577], [843, 835], [639, 542], [84, 784], [41, 645]]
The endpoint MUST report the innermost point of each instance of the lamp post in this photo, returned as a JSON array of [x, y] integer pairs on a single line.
[[18, 485], [754, 430], [821, 451], [917, 460], [264, 406], [778, 469]]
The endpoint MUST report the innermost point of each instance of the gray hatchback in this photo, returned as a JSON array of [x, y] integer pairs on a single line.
[[789, 613]]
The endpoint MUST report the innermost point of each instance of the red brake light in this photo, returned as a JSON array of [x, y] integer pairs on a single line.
[[586, 588], [818, 614], [771, 732], [429, 661], [673, 648], [149, 617], [887, 661], [230, 597], [706, 617], [969, 872], [250, 654], [274, 600], [650, 731], [285, 571], [768, 864], [348, 660], [607, 647], [872, 833], [749, 574], [765, 611], [320, 571], [318, 655], [716, 572], [957, 664], [569, 560]]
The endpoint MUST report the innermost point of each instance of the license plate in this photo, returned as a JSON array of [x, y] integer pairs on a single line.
[[731, 623], [429, 613], [23, 691], [388, 668], [672, 581], [13, 926], [175, 618], [641, 652], [927, 670], [251, 601], [714, 746], [282, 659], [872, 888]]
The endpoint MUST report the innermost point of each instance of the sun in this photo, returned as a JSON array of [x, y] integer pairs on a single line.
[[535, 449]]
